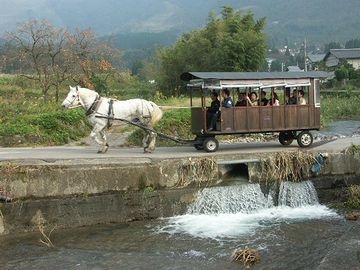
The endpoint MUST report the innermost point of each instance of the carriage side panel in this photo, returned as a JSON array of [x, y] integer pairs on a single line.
[[278, 117], [253, 118], [290, 116], [198, 119], [303, 113], [227, 119], [240, 116], [266, 117]]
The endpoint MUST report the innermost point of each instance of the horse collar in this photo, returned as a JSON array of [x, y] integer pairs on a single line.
[[93, 106]]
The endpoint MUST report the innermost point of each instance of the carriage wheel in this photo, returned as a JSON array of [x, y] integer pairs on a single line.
[[211, 144], [305, 139], [286, 138]]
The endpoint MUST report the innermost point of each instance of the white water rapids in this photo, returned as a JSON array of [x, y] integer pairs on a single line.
[[226, 212]]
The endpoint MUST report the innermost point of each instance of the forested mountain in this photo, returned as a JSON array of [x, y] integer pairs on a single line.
[[320, 21]]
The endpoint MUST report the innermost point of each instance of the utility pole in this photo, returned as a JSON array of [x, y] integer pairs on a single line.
[[305, 56]]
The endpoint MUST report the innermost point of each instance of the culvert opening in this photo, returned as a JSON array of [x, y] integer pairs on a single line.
[[235, 170]]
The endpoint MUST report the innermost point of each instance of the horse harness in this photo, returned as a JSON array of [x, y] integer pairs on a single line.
[[94, 106], [110, 112]]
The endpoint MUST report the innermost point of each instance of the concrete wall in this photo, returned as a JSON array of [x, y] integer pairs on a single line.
[[85, 194], [74, 211]]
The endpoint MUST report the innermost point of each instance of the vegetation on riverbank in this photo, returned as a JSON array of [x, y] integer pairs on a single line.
[[27, 120], [353, 197], [339, 107]]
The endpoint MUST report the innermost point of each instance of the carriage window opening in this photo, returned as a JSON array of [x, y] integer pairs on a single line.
[[291, 95], [253, 97], [274, 99], [263, 100], [241, 100], [302, 96]]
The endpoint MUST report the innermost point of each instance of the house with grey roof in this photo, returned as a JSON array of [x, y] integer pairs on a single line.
[[352, 56], [312, 60], [293, 69]]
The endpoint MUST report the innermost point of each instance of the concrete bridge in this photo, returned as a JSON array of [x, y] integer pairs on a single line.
[[75, 186], [87, 154]]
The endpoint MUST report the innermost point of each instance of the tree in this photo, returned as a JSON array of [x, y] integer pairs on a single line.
[[234, 42], [93, 61], [276, 65], [52, 56], [331, 45], [39, 46], [342, 74], [353, 43]]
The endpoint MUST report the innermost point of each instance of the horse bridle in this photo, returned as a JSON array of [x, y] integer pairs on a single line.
[[75, 97]]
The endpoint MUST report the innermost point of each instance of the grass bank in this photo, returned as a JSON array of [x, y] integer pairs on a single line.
[[339, 107], [27, 120]]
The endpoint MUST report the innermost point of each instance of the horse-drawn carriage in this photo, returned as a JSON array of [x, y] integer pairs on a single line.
[[292, 120]]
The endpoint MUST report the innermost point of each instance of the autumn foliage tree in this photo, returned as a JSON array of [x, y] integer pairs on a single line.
[[52, 56]]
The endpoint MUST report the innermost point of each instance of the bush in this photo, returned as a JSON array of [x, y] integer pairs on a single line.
[[341, 73]]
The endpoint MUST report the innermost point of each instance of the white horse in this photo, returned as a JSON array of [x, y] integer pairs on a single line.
[[143, 112]]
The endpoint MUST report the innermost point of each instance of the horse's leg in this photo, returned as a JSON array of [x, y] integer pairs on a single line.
[[105, 145], [145, 140], [150, 143], [96, 134]]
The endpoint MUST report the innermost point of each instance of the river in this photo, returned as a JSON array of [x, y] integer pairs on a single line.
[[292, 231]]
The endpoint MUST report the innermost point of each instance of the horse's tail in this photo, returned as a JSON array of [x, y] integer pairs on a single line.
[[156, 114]]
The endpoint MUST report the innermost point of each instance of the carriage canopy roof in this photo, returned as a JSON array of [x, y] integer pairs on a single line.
[[220, 80], [188, 76]]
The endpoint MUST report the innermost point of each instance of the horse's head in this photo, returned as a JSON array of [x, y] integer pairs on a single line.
[[72, 99]]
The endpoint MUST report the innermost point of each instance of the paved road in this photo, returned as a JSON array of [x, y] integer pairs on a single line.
[[136, 155]]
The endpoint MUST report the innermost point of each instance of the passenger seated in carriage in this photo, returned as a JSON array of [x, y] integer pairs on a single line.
[[301, 99], [242, 100], [293, 99], [253, 101], [263, 100], [213, 110], [274, 101], [227, 102]]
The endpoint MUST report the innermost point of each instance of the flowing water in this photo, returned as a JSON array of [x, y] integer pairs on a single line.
[[339, 129], [290, 229]]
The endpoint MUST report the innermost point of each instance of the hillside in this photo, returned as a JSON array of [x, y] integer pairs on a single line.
[[318, 20]]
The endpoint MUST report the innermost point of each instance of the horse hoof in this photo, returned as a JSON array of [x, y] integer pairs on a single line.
[[106, 148], [146, 150]]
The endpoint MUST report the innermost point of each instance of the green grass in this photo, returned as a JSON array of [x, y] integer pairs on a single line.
[[339, 107], [27, 120], [354, 197]]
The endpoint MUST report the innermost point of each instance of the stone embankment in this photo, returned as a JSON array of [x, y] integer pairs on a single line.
[[68, 192]]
